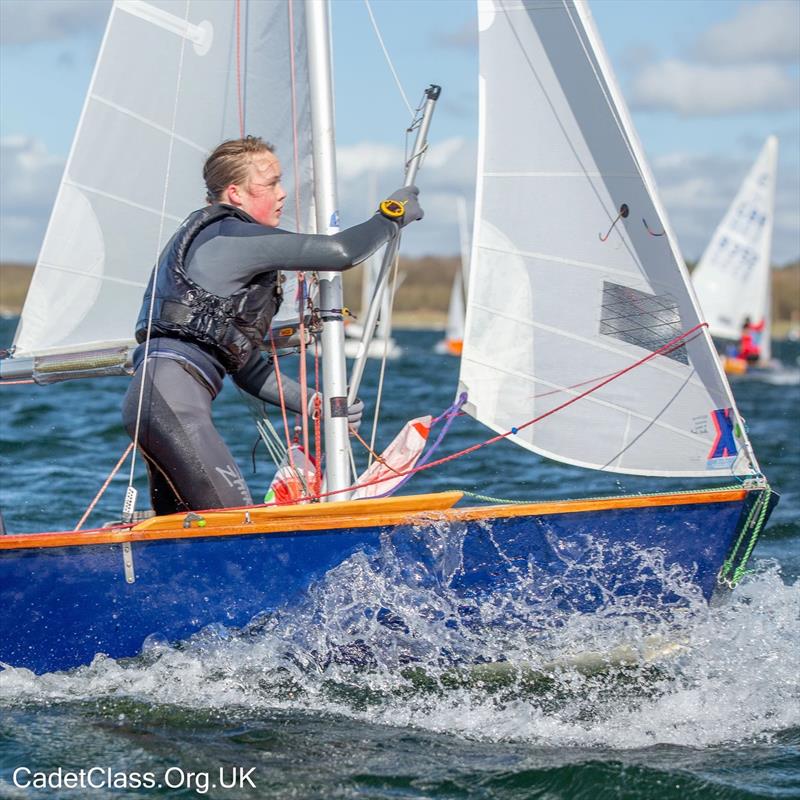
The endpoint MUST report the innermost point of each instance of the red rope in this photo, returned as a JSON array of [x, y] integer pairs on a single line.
[[239, 97], [296, 146], [276, 364], [317, 423], [674, 344], [104, 487], [301, 293]]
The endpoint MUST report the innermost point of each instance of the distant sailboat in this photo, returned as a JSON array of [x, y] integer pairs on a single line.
[[733, 278], [453, 341]]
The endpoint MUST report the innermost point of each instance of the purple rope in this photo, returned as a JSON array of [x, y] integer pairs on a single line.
[[449, 415]]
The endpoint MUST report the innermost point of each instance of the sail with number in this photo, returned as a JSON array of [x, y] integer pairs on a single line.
[[577, 286], [173, 79], [732, 278]]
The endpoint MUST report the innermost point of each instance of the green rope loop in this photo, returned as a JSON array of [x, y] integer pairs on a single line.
[[753, 524]]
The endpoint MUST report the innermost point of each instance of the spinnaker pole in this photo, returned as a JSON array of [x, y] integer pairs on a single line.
[[420, 146], [334, 375]]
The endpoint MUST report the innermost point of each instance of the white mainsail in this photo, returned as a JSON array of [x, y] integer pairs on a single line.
[[553, 310], [732, 279], [173, 79]]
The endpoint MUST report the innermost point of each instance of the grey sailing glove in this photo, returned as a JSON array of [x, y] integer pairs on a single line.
[[355, 411], [402, 206], [354, 414]]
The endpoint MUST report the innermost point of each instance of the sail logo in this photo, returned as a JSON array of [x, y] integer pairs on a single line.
[[723, 450]]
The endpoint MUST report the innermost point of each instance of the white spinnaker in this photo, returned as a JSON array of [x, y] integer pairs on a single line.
[[553, 311], [732, 279], [165, 91]]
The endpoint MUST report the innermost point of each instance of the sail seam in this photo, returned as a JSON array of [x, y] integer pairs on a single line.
[[150, 124], [84, 188], [109, 278], [566, 334], [629, 274], [568, 174]]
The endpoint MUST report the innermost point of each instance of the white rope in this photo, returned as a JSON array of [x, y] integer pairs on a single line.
[[388, 58]]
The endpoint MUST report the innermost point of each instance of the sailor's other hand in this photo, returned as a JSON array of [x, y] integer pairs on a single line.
[[402, 206], [354, 413]]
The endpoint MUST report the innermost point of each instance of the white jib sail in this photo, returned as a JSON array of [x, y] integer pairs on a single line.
[[173, 79], [732, 279], [554, 310]]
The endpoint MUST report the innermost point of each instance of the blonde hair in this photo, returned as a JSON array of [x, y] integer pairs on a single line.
[[229, 163]]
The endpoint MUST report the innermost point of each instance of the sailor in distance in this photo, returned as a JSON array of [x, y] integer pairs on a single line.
[[749, 344], [216, 291]]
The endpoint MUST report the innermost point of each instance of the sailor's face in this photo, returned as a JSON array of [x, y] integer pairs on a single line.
[[262, 196]]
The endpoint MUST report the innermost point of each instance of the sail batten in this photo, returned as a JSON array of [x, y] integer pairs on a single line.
[[83, 274], [158, 212], [568, 283], [150, 123]]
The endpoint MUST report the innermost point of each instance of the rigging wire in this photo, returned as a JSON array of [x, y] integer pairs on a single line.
[[295, 137], [239, 97], [276, 366], [388, 58], [130, 494], [104, 487]]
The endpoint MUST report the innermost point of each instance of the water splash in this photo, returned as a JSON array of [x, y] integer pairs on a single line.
[[383, 638]]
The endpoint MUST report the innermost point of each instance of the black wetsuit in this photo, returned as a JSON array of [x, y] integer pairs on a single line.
[[189, 464]]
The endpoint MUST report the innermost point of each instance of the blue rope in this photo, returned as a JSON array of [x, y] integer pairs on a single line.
[[448, 416]]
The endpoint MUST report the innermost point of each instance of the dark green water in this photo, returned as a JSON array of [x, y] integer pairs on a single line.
[[710, 708]]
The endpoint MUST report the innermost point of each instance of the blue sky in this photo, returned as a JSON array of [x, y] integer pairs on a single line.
[[707, 81]]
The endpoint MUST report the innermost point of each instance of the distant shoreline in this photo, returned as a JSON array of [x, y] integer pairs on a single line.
[[422, 300]]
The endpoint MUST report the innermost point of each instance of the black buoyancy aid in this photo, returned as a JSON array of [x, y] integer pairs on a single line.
[[232, 326]]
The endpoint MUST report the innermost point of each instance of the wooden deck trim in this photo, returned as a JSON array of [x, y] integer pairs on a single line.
[[414, 509]]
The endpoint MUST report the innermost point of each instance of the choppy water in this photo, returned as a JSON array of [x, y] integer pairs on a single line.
[[360, 692]]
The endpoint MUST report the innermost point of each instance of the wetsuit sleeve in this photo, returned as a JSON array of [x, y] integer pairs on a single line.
[[257, 377], [238, 251]]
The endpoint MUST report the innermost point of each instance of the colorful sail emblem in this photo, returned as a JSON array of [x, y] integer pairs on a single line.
[[723, 450]]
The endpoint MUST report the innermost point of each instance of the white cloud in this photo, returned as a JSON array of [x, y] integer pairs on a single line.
[[26, 21], [697, 90], [766, 31], [30, 177]]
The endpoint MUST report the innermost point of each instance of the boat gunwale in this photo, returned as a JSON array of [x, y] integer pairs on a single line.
[[301, 519]]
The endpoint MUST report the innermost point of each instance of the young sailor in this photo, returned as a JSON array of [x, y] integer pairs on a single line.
[[216, 291]]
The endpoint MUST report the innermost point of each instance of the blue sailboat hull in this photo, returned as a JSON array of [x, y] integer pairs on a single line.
[[66, 598]]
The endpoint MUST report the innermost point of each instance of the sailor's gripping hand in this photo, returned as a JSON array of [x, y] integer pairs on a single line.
[[354, 414], [402, 206], [355, 411]]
